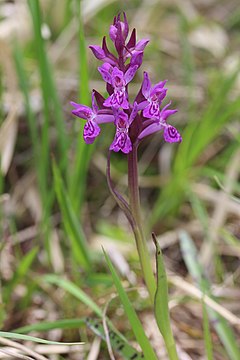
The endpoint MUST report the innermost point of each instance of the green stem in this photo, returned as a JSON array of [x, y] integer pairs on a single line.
[[134, 199], [172, 351]]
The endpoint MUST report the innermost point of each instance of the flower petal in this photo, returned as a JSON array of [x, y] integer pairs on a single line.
[[117, 75], [108, 102], [142, 104], [166, 113], [113, 32], [110, 58], [105, 70], [152, 110], [130, 73], [117, 99], [154, 127], [97, 52], [125, 29], [133, 113], [121, 142], [171, 134], [104, 118], [94, 103], [136, 58], [146, 85], [82, 111], [159, 86], [141, 44], [90, 131]]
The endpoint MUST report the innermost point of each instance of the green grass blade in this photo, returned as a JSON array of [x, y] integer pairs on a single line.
[[196, 137], [73, 290], [71, 223], [45, 141], [222, 328], [207, 334], [161, 304], [11, 335], [136, 325], [26, 262], [50, 325], [49, 91], [21, 271], [118, 344]]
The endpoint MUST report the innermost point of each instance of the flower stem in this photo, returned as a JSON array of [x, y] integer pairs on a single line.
[[134, 199]]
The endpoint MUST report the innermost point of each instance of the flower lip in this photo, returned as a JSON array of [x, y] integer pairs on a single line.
[[118, 80], [156, 124]]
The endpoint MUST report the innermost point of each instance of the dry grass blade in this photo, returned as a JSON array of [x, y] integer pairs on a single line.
[[8, 130], [11, 353], [95, 348], [205, 192], [56, 254], [198, 294], [8, 133], [61, 349], [23, 348], [106, 331]]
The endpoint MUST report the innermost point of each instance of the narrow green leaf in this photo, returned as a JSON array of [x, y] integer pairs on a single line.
[[10, 335], [75, 291], [26, 262], [161, 304], [207, 334], [70, 221], [49, 90], [80, 295], [197, 135], [47, 325], [136, 325]]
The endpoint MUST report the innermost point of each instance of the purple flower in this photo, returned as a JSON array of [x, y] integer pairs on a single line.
[[118, 80], [122, 140], [102, 53], [119, 27], [93, 116], [135, 50], [118, 70], [154, 96], [170, 133]]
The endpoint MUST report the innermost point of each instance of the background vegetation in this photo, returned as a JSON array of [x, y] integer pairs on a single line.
[[56, 212]]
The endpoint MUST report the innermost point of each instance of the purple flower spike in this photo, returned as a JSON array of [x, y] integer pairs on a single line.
[[122, 140], [132, 121], [93, 116], [154, 96], [118, 80], [157, 124]]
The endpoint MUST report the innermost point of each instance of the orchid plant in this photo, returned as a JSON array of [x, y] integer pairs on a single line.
[[133, 121]]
